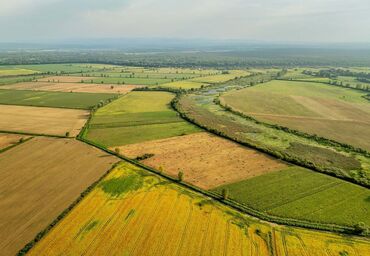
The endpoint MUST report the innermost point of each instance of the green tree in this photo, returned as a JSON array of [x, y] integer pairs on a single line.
[[225, 193], [180, 176]]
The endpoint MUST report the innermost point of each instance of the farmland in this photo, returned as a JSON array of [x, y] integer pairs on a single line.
[[203, 107], [332, 112], [184, 85], [38, 180], [131, 207], [44, 177], [71, 87], [206, 160], [7, 140], [51, 121], [137, 117], [53, 99], [302, 194]]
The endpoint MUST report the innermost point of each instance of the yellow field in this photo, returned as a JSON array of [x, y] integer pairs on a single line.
[[184, 84], [132, 212]]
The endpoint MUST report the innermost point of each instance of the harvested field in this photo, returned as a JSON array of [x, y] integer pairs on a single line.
[[7, 140], [72, 87], [52, 121], [132, 212], [333, 112], [38, 180], [207, 161]]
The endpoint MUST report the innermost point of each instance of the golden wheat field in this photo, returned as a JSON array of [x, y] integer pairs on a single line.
[[132, 212]]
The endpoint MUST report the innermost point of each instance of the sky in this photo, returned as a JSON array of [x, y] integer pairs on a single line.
[[260, 20]]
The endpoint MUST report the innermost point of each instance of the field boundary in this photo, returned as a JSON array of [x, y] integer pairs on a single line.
[[15, 144], [37, 134]]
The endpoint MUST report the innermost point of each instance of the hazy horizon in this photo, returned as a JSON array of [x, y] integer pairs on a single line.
[[265, 21]]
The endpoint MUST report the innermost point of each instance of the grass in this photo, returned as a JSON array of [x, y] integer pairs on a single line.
[[306, 89], [175, 221], [52, 99], [137, 117], [302, 194]]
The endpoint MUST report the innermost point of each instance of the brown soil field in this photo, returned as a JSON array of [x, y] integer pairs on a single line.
[[207, 161], [38, 180], [41, 120], [6, 139], [74, 87]]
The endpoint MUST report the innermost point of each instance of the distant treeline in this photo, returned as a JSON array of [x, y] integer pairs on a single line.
[[256, 57], [333, 73]]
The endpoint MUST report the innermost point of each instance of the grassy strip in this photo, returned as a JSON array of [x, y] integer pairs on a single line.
[[42, 233], [36, 134], [15, 144]]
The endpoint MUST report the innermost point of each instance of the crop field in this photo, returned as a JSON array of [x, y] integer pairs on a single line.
[[184, 85], [38, 180], [16, 79], [222, 77], [51, 121], [131, 207], [61, 68], [137, 117], [207, 161], [15, 71], [328, 111], [71, 87], [303, 194], [203, 110], [53, 99], [7, 139]]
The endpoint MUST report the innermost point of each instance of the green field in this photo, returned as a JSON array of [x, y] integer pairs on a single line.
[[17, 79], [52, 99], [136, 117], [303, 194], [329, 111]]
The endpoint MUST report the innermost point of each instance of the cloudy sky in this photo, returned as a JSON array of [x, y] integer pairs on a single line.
[[266, 20]]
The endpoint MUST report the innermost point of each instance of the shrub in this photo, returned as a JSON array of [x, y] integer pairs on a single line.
[[180, 176]]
